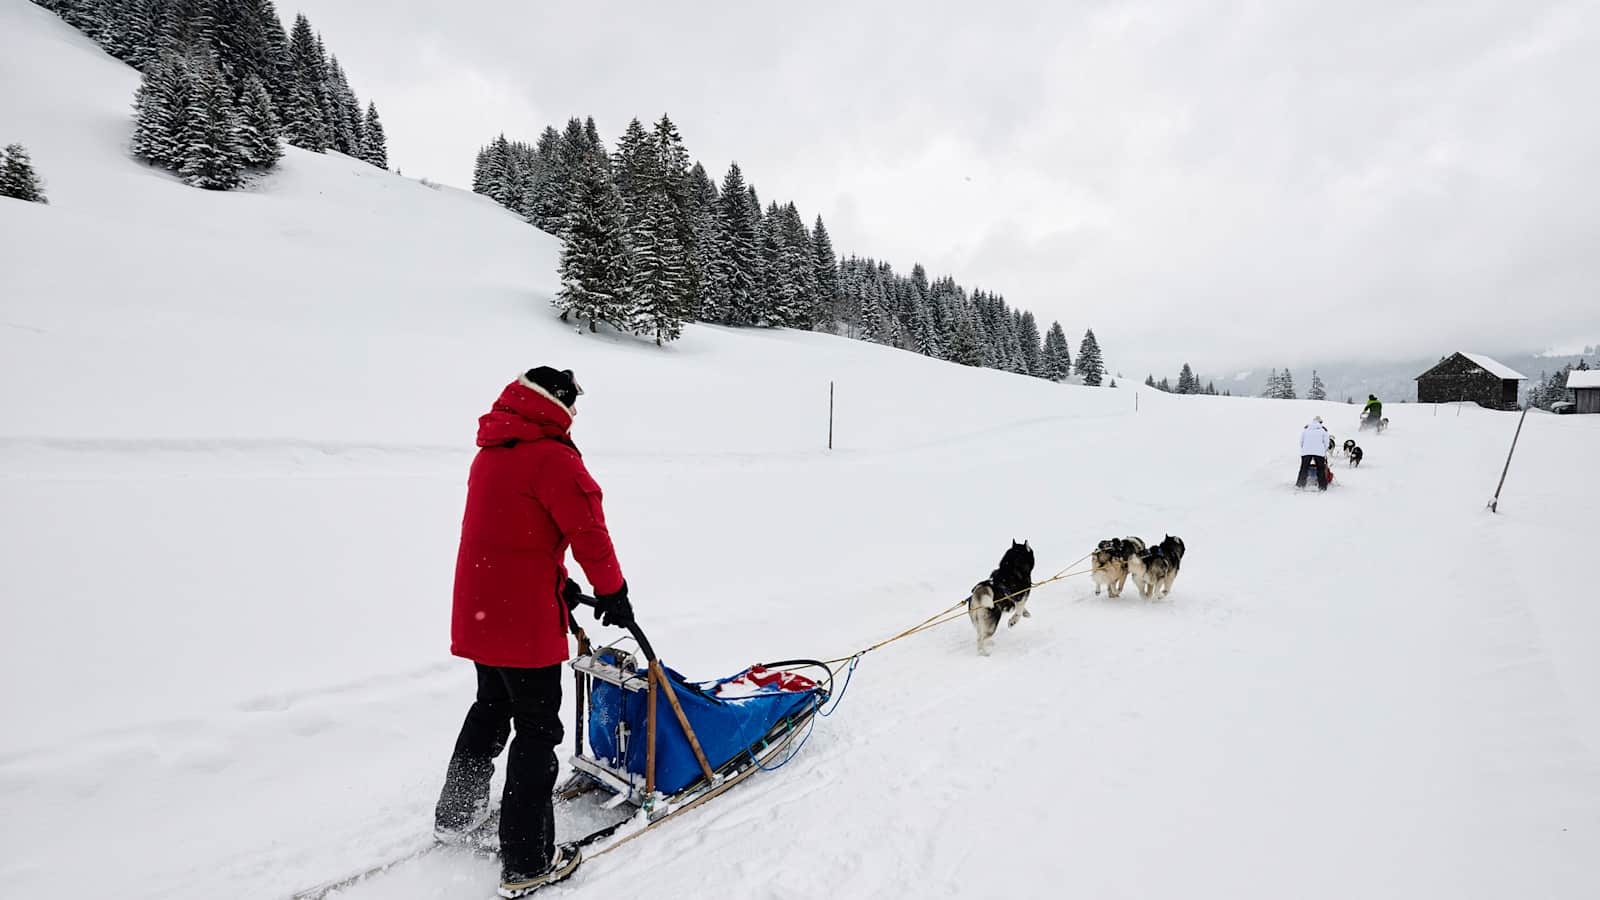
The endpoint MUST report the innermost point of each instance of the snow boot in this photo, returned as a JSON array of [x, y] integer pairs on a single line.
[[461, 830], [565, 862]]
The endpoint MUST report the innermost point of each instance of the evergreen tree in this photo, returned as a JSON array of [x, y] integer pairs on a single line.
[[707, 247], [1286, 386], [1164, 386], [825, 267], [17, 178], [1055, 360], [634, 171], [213, 155], [1186, 382], [656, 289], [160, 109], [924, 334], [304, 114], [1032, 352], [1211, 388], [1318, 391], [549, 202], [1274, 386], [1113, 383], [259, 145], [675, 189], [1150, 381], [1090, 366], [345, 121], [736, 288], [375, 148], [594, 254]]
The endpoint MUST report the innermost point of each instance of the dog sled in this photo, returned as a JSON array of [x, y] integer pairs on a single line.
[[659, 743], [650, 744]]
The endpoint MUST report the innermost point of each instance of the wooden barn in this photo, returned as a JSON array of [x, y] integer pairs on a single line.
[[1470, 376], [1585, 387]]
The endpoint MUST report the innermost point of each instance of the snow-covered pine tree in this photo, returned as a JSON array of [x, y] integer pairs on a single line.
[[795, 304], [547, 208], [707, 249], [736, 289], [1186, 384], [303, 114], [160, 109], [1090, 365], [656, 287], [1274, 386], [1286, 386], [676, 189], [1028, 335], [924, 335], [633, 168], [1211, 388], [212, 153], [375, 146], [1318, 391], [259, 144], [345, 121], [1113, 383], [1164, 386], [1150, 381], [825, 269], [17, 178], [1054, 359], [594, 254]]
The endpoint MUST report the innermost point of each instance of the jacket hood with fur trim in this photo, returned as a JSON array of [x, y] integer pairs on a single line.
[[524, 412]]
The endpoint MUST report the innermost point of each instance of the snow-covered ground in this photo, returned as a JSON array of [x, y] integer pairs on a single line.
[[234, 432]]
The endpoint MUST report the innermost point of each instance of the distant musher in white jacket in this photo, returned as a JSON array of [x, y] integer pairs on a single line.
[[1314, 453]]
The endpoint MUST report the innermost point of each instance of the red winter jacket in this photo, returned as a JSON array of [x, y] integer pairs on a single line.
[[529, 498]]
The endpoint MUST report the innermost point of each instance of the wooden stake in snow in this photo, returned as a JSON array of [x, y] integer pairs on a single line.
[[1494, 505]]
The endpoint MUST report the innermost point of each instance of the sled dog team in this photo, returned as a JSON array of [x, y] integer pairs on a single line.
[[1115, 559]]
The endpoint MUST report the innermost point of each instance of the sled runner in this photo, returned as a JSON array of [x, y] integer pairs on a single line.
[[650, 744]]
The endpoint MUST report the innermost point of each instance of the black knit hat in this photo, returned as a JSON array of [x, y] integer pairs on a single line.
[[558, 383]]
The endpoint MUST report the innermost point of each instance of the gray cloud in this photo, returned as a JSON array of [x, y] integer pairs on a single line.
[[1228, 183]]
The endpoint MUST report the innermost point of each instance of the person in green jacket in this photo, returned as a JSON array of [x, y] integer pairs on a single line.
[[1372, 413]]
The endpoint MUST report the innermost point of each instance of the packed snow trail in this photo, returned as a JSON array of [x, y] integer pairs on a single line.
[[228, 521]]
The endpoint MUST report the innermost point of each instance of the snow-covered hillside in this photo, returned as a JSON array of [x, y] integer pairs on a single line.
[[234, 435]]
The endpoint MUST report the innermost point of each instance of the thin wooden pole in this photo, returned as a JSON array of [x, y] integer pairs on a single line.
[[581, 702], [1135, 401], [694, 742], [1494, 505], [830, 415], [650, 733]]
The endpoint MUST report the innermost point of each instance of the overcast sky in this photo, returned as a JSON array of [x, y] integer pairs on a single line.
[[1276, 182]]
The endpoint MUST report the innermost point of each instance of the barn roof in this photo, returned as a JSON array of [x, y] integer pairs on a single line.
[[1583, 378], [1495, 367]]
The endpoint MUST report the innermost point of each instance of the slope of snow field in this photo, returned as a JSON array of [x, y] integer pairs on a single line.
[[228, 510]]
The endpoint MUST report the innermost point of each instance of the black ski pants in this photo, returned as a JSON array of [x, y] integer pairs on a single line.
[[1307, 463], [531, 700]]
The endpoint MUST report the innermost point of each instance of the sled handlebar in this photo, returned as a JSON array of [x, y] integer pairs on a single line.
[[633, 629]]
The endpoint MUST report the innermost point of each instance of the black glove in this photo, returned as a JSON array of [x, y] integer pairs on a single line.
[[573, 594], [614, 609]]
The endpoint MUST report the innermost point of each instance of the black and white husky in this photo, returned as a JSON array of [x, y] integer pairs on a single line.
[[1155, 569], [1110, 561], [1004, 591]]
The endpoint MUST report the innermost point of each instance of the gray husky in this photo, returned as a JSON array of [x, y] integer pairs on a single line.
[[1155, 569], [1004, 591], [1110, 561]]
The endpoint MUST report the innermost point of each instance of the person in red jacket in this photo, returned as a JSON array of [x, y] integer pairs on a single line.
[[529, 499]]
